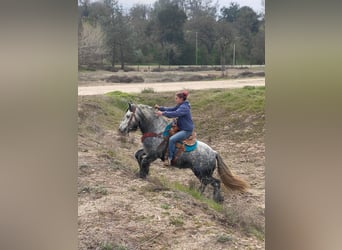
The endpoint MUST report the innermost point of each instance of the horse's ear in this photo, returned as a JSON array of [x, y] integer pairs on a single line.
[[131, 106]]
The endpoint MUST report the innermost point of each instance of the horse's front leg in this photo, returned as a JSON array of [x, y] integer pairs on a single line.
[[139, 155], [145, 164]]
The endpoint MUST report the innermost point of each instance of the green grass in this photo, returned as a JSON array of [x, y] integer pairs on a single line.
[[121, 99], [163, 184], [110, 246], [96, 190], [240, 215], [197, 195], [237, 114], [176, 221], [224, 238], [165, 206], [147, 90], [258, 233], [237, 216], [247, 100], [234, 114], [106, 246]]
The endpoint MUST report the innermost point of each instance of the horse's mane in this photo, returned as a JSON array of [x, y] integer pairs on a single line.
[[145, 107], [146, 110], [149, 112]]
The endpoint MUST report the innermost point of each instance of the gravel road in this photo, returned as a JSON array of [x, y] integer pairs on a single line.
[[170, 86]]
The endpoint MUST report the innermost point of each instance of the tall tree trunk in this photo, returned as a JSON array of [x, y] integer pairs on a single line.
[[113, 57], [223, 64], [122, 57]]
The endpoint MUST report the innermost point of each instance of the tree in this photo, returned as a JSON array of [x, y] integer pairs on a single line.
[[249, 47], [83, 8], [117, 30], [196, 8], [200, 27], [230, 14], [166, 29], [225, 37], [247, 24], [258, 45], [140, 16], [169, 32], [90, 45]]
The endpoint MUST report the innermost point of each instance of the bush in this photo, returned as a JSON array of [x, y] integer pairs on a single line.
[[148, 90]]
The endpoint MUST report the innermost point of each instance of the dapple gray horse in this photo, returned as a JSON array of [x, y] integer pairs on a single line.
[[202, 160]]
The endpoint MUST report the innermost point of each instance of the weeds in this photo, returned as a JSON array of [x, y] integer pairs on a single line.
[[84, 166], [197, 195], [239, 215], [224, 238], [120, 247], [147, 90], [98, 190], [165, 206], [106, 246], [85, 190], [246, 218], [176, 221], [110, 246]]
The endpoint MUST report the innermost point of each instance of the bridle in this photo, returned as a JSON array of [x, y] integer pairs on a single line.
[[133, 109]]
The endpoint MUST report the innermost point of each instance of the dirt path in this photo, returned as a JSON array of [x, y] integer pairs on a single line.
[[170, 86]]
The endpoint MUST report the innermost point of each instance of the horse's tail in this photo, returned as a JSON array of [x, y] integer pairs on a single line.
[[228, 179]]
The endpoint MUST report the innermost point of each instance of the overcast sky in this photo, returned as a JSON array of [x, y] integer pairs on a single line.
[[256, 5]]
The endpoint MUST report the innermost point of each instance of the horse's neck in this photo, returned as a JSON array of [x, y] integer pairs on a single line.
[[151, 123], [155, 126]]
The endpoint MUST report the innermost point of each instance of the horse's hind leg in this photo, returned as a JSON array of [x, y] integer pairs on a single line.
[[204, 182], [217, 189], [216, 185]]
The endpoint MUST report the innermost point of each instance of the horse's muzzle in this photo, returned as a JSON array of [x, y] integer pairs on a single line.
[[123, 131]]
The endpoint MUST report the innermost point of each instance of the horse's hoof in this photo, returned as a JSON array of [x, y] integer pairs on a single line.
[[219, 199], [142, 176]]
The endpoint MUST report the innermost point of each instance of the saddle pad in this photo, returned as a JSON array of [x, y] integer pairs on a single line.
[[181, 146], [190, 148], [167, 129]]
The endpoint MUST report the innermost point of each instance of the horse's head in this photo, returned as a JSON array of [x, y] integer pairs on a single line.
[[130, 120]]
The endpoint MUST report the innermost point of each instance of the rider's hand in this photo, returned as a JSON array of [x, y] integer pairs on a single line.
[[156, 106], [159, 113]]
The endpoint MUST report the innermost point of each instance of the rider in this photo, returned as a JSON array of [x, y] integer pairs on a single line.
[[184, 120]]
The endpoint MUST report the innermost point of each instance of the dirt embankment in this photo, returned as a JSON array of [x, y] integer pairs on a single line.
[[117, 210]]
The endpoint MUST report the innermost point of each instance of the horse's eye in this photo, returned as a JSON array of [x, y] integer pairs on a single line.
[[127, 116]]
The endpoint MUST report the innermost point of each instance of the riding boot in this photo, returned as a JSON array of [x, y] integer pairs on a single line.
[[167, 163], [173, 161]]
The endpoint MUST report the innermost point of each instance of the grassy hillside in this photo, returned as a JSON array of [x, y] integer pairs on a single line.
[[117, 210], [236, 114]]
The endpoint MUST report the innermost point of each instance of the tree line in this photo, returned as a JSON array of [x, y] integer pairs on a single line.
[[169, 32]]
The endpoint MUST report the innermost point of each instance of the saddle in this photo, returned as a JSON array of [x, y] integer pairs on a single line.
[[186, 145]]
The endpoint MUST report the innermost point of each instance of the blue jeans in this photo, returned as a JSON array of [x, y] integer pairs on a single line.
[[179, 136]]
